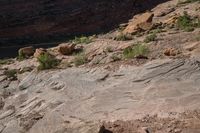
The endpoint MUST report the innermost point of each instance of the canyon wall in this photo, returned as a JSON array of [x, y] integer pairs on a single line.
[[36, 21]]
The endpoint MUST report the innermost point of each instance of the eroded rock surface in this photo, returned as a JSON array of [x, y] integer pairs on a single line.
[[76, 99]]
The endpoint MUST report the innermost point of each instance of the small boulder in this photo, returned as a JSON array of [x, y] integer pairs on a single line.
[[39, 52], [66, 49], [139, 22], [26, 51], [170, 52]]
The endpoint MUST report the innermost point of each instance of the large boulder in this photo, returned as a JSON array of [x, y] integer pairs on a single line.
[[139, 22], [66, 49], [39, 52], [26, 51]]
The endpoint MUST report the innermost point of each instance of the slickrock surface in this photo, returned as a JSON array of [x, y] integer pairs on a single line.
[[76, 99]]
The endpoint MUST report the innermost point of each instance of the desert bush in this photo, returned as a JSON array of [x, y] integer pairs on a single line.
[[135, 51], [150, 38], [81, 40], [184, 21], [21, 56], [156, 30], [5, 61], [80, 59], [11, 74], [187, 23], [47, 61]]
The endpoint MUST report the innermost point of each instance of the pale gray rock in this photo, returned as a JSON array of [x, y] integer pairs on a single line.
[[29, 80], [86, 96], [12, 127]]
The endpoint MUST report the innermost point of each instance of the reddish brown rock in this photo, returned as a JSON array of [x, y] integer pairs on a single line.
[[39, 52], [170, 52], [66, 49], [139, 22], [26, 51]]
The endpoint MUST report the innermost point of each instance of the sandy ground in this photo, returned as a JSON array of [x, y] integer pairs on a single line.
[[187, 122]]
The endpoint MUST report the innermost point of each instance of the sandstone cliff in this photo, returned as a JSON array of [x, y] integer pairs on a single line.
[[36, 21]]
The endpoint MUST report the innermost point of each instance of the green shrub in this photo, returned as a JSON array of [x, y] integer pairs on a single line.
[[11, 74], [150, 38], [82, 39], [186, 23], [21, 56], [47, 61], [134, 51], [80, 59], [5, 61], [155, 31]]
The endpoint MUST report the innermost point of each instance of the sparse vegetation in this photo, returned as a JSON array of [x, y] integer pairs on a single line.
[[5, 61], [184, 21], [123, 37], [82, 39], [47, 61], [135, 51], [21, 56], [150, 38], [11, 74], [155, 31], [187, 23], [80, 59]]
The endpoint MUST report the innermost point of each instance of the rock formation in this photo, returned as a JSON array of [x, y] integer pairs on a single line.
[[36, 21], [97, 89]]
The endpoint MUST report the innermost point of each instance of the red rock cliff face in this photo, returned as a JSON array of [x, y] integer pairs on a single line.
[[35, 21]]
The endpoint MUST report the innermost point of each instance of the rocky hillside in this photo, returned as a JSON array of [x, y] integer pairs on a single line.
[[142, 77], [36, 21]]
